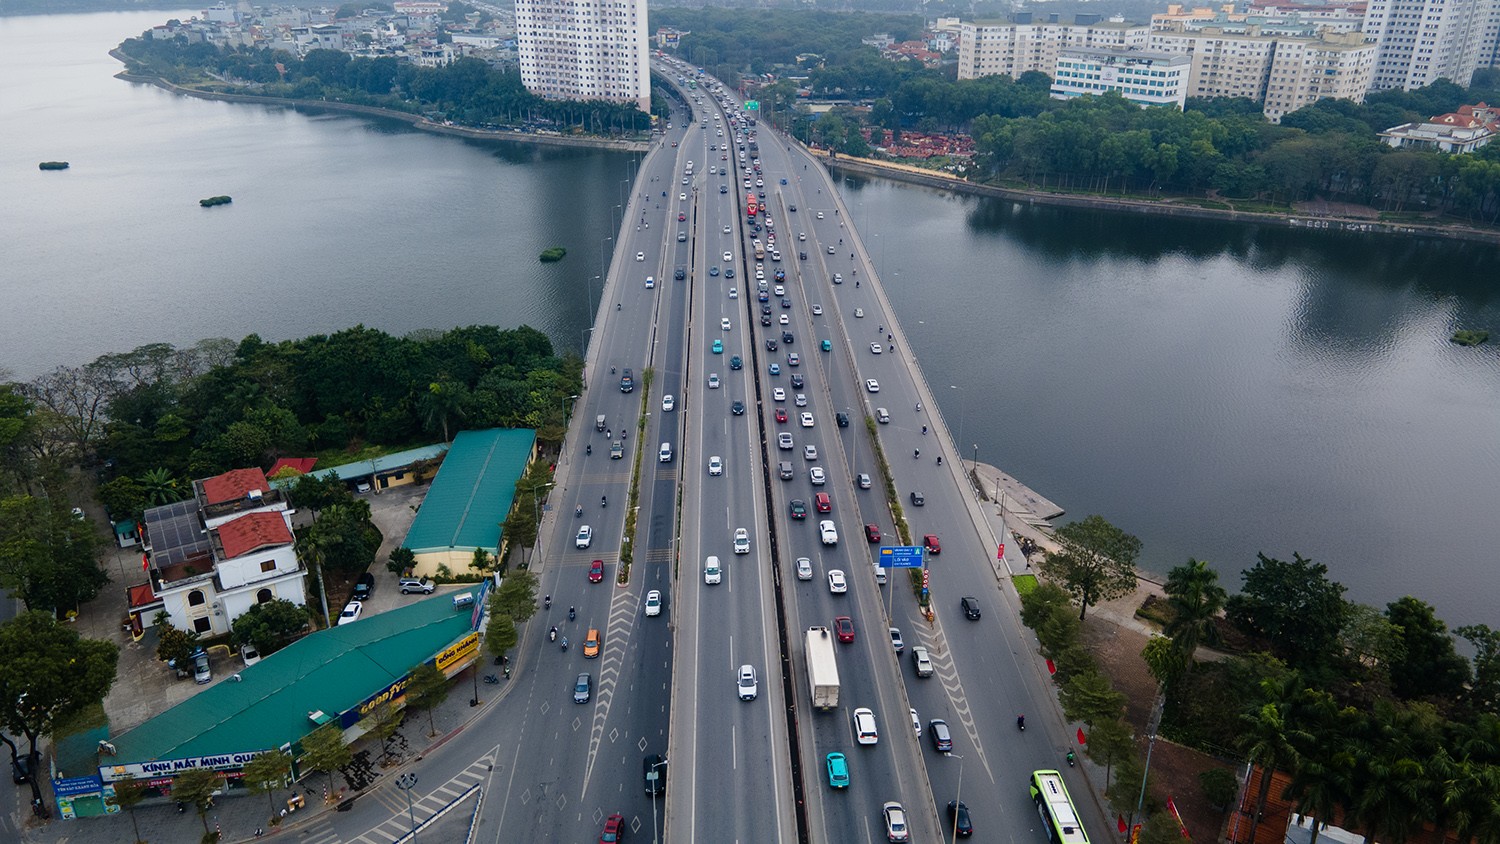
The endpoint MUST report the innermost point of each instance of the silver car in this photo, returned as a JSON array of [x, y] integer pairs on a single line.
[[804, 568]]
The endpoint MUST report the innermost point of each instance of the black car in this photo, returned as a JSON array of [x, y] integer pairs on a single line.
[[786, 303], [786, 337], [843, 419], [917, 499], [802, 256], [765, 320], [797, 381], [971, 608], [958, 819], [364, 587], [770, 345], [738, 408], [679, 274], [654, 768], [765, 309], [799, 508]]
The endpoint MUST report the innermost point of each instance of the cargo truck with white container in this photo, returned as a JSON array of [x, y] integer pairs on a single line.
[[822, 670]]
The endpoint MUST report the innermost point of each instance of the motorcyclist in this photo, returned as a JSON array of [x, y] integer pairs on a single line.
[[565, 643], [1071, 757], [916, 452], [578, 510], [924, 430], [1020, 722], [603, 501], [552, 634], [588, 448], [547, 603], [572, 614], [940, 459]]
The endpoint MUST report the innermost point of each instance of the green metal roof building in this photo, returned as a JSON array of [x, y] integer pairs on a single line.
[[469, 498], [331, 675]]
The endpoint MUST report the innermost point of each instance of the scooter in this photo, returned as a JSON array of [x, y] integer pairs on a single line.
[[588, 449], [565, 644], [571, 615], [490, 679], [578, 511], [1071, 757], [1021, 723], [552, 634], [547, 603]]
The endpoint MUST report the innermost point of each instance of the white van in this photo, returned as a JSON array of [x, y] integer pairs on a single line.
[[665, 454], [650, 282], [711, 570]]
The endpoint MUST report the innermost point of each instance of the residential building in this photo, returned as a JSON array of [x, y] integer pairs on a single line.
[[214, 556], [1011, 48], [585, 50], [1421, 41], [1146, 79], [1468, 129], [1284, 70]]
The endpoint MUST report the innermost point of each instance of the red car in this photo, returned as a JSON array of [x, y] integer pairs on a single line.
[[596, 571], [872, 532], [681, 216], [781, 414], [845, 627], [931, 542], [822, 503], [614, 829]]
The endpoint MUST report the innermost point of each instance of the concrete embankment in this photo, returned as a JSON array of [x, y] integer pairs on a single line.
[[944, 181], [415, 120]]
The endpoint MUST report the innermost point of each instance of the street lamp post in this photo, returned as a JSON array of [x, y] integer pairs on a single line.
[[406, 782], [655, 831], [536, 516], [959, 796]]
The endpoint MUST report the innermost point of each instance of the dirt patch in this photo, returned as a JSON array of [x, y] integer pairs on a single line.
[[1174, 768]]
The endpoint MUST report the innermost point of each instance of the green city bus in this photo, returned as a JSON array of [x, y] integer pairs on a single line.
[[1056, 808]]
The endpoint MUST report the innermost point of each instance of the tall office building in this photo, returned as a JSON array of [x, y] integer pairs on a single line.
[[585, 50], [1421, 41]]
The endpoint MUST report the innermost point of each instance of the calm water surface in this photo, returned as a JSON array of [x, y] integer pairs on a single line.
[[1215, 389]]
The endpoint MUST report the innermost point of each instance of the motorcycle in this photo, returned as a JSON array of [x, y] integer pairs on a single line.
[[940, 459], [578, 511], [490, 679], [547, 603], [571, 615], [1021, 723], [552, 634], [603, 501], [588, 449], [565, 644], [1070, 758]]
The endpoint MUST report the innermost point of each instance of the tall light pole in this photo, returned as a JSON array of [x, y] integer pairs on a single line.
[[655, 832], [536, 516], [406, 782], [958, 797]]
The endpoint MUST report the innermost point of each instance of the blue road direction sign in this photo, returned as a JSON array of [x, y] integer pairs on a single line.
[[752, 105], [900, 556]]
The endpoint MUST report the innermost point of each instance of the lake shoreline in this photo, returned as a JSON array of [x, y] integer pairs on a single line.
[[416, 121], [942, 181]]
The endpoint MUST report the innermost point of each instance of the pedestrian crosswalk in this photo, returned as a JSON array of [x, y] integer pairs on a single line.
[[460, 786]]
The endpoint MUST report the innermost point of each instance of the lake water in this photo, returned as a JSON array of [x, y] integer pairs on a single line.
[[1215, 389]]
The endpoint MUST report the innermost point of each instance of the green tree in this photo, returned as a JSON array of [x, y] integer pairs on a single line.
[[1484, 691], [173, 645], [129, 792], [1292, 605], [500, 634], [516, 596], [401, 561], [196, 788], [384, 721], [1163, 661], [1195, 596], [1267, 737], [123, 498], [318, 493], [47, 555], [1096, 563], [160, 487], [1109, 743], [324, 749], [268, 772], [342, 535], [426, 689], [269, 625], [1427, 665], [1089, 697], [1219, 787], [49, 674], [444, 400]]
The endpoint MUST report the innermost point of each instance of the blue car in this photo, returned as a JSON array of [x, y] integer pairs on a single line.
[[718, 347], [838, 771], [713, 271], [775, 369]]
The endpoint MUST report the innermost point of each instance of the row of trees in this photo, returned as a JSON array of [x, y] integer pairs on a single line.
[[161, 415], [468, 91], [1374, 714]]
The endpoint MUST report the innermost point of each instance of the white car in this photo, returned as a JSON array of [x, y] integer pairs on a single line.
[[875, 348], [351, 612], [804, 568], [820, 215], [802, 235], [817, 310], [728, 256], [734, 293], [640, 256], [682, 197], [809, 452], [780, 290], [859, 313], [713, 380], [745, 682], [711, 570], [829, 534], [653, 603], [801, 401], [896, 641], [715, 465], [778, 394], [726, 230], [650, 282], [815, 474], [668, 403], [741, 541], [872, 385], [724, 323], [836, 583], [863, 480], [864, 726], [916, 723], [785, 320], [585, 537], [807, 418], [784, 441]]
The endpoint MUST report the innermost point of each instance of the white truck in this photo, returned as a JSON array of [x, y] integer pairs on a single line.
[[822, 670]]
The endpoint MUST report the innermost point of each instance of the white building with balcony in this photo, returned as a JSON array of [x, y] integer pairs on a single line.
[[585, 50], [1146, 79]]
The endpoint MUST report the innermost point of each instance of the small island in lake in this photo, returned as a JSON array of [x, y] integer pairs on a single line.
[[556, 253], [1469, 337], [215, 200], [53, 165]]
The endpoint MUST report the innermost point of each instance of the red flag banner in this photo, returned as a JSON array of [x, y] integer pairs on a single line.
[[1172, 807], [1083, 739], [145, 562], [1052, 669], [1121, 820]]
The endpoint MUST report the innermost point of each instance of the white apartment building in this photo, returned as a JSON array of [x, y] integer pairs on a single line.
[[1011, 48], [1283, 72], [1146, 79], [585, 50], [1422, 41]]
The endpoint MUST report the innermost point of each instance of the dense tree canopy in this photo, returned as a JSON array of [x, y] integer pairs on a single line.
[[48, 673]]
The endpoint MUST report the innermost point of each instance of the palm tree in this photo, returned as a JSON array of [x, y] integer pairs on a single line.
[[1195, 596], [1315, 788], [442, 400], [1270, 737], [159, 486]]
